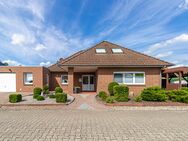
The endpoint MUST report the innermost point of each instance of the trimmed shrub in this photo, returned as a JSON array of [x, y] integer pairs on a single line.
[[154, 94], [52, 96], [37, 91], [121, 93], [35, 96], [138, 98], [14, 98], [61, 97], [103, 95], [111, 86], [110, 99], [40, 98], [46, 89], [58, 90]]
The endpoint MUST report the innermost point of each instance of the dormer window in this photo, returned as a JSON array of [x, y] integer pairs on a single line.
[[100, 50], [117, 50]]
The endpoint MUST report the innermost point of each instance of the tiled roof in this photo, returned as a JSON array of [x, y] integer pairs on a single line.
[[129, 57]]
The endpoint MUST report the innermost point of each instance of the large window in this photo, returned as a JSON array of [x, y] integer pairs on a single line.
[[28, 78], [129, 77], [64, 79]]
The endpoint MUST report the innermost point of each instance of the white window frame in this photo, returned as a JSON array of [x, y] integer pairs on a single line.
[[117, 50], [25, 75], [133, 78], [100, 50], [62, 79]]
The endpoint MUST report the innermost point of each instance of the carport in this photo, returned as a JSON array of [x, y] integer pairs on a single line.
[[176, 78]]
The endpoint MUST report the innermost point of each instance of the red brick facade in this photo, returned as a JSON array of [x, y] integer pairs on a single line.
[[39, 77]]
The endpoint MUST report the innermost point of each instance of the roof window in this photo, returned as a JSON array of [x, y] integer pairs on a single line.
[[100, 50], [117, 50]]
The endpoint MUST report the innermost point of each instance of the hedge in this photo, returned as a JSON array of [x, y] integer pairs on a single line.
[[111, 86], [61, 97], [121, 93], [178, 95], [14, 98], [154, 94]]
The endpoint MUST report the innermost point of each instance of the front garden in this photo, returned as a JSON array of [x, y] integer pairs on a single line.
[[120, 94], [42, 96]]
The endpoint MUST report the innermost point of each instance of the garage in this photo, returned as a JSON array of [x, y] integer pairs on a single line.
[[7, 82]]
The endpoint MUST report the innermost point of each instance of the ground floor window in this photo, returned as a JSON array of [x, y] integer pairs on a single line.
[[64, 79], [28, 78], [129, 77]]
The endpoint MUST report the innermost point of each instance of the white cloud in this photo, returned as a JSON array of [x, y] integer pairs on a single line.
[[165, 54], [40, 47], [180, 38], [184, 4], [18, 39], [12, 63], [45, 64], [37, 8]]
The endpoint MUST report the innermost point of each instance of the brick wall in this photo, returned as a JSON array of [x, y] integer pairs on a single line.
[[105, 76], [55, 81], [38, 80]]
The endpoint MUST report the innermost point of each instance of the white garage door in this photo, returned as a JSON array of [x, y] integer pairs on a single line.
[[7, 82]]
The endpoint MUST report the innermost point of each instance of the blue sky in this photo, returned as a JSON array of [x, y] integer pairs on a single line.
[[39, 32]]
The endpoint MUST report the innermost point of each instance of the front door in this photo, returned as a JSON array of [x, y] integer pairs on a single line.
[[87, 82]]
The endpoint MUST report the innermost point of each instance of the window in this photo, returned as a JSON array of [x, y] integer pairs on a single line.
[[117, 50], [128, 77], [64, 79], [131, 78], [28, 78], [118, 77], [100, 50]]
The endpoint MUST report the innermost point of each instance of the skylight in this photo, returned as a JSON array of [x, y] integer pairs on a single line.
[[117, 50], [100, 50]]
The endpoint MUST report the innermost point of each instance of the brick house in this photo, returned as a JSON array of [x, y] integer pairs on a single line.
[[94, 68]]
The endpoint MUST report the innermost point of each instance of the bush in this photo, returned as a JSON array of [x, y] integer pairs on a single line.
[[184, 99], [185, 88], [52, 96], [121, 93], [154, 94], [46, 89], [35, 96], [19, 96], [37, 91], [111, 86], [138, 98], [103, 95], [61, 98], [110, 99], [178, 95], [14, 98], [40, 98], [58, 90]]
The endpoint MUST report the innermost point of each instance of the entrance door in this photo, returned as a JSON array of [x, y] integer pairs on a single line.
[[87, 82]]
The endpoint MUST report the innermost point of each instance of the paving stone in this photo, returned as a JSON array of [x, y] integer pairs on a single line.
[[104, 125]]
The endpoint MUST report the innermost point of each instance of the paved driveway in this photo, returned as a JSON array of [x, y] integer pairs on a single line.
[[88, 125]]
